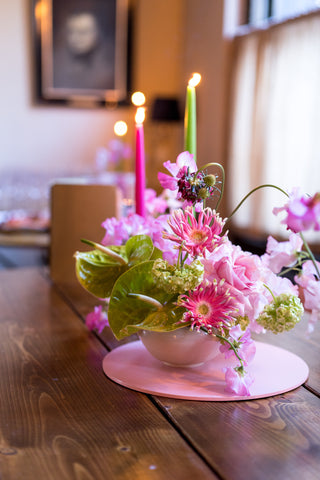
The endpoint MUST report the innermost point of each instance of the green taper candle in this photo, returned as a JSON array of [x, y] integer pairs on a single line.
[[190, 117]]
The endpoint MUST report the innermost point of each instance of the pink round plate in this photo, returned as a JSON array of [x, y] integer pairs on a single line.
[[274, 369]]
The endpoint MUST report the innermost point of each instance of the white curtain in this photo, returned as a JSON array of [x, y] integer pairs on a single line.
[[275, 120]]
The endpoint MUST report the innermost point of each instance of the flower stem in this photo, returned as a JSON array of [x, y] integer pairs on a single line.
[[252, 191], [306, 246], [269, 289], [221, 337], [213, 164]]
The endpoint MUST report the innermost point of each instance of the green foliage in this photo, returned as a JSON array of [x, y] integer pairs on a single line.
[[98, 271], [128, 314]]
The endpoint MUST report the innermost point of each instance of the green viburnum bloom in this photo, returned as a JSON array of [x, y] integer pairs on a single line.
[[176, 280], [282, 314], [243, 322]]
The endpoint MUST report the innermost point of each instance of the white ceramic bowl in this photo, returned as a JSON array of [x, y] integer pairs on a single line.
[[182, 347]]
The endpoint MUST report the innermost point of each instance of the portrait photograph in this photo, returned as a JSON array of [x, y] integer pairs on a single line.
[[83, 49]]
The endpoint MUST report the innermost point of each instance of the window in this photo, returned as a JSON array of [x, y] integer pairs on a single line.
[[277, 10]]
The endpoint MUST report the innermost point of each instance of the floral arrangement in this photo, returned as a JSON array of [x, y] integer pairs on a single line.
[[179, 269]]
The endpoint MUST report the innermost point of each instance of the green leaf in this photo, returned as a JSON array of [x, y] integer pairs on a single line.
[[139, 249], [97, 271], [157, 253], [128, 314]]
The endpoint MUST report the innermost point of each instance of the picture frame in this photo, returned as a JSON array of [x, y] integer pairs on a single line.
[[82, 50]]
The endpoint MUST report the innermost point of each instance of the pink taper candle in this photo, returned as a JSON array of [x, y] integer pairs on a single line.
[[140, 163]]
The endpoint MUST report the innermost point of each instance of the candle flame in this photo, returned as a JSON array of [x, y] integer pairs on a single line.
[[120, 128], [194, 80], [138, 99], [140, 115]]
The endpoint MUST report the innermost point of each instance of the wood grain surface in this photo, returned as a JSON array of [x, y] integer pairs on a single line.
[[61, 417]]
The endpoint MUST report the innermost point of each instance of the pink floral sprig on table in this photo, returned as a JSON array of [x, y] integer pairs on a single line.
[[98, 319], [196, 277]]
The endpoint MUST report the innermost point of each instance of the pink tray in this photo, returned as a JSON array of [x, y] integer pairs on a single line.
[[274, 369]]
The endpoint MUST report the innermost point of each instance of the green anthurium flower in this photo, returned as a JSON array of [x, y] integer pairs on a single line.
[[137, 303], [98, 270], [138, 249]]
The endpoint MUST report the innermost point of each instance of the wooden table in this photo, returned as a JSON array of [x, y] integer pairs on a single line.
[[62, 418]]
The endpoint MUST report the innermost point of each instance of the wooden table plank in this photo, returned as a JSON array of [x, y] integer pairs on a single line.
[[61, 417], [277, 437]]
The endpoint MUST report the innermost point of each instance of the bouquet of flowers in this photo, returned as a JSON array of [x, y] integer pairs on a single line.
[[179, 269]]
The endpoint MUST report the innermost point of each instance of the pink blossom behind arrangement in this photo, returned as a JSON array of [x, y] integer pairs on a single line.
[[309, 283], [154, 204], [282, 254], [303, 212]]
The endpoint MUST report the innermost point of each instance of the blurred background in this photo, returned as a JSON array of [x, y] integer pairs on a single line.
[[258, 108]]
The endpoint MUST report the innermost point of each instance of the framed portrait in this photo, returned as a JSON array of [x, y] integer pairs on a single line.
[[82, 49]]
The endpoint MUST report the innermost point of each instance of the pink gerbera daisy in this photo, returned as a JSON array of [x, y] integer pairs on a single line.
[[195, 236], [209, 307]]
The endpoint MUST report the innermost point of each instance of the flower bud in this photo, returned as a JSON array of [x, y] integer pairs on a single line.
[[210, 180], [203, 193]]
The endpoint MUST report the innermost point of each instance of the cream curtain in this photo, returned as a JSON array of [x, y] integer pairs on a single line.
[[275, 119]]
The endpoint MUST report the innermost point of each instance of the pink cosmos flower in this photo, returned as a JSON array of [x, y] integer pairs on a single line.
[[282, 254], [208, 306], [303, 212], [183, 163], [97, 319], [195, 236], [237, 382]]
